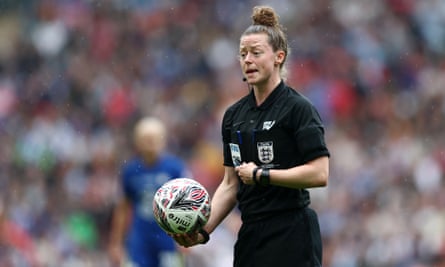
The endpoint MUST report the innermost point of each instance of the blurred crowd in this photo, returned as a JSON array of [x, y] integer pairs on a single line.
[[76, 74]]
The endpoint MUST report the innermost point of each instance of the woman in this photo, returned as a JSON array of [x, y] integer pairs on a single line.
[[274, 149], [136, 239]]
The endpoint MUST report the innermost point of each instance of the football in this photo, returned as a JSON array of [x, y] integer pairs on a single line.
[[181, 205]]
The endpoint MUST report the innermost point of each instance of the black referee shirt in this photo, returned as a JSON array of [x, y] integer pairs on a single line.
[[284, 131]]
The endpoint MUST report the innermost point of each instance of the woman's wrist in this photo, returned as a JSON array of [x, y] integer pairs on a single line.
[[264, 176], [264, 179], [205, 235], [254, 175]]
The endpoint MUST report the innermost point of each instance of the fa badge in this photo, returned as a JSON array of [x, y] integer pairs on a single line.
[[265, 151]]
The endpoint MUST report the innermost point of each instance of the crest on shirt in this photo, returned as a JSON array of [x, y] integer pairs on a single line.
[[265, 151]]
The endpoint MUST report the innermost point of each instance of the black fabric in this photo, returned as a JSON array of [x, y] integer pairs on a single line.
[[285, 131], [311, 143], [289, 239]]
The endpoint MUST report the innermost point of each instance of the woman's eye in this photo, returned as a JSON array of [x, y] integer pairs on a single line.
[[257, 53], [252, 53]]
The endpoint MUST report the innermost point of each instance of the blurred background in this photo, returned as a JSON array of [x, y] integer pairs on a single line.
[[76, 74]]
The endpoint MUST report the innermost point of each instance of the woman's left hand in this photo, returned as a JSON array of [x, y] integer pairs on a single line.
[[245, 172]]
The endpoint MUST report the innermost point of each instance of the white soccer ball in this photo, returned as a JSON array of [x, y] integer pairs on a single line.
[[181, 205]]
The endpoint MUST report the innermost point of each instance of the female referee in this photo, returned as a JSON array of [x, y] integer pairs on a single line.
[[274, 149]]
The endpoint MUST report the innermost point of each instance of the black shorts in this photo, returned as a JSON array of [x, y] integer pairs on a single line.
[[290, 239]]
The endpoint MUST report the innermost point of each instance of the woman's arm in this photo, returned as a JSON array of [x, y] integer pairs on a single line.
[[224, 199], [222, 203], [314, 173], [119, 225]]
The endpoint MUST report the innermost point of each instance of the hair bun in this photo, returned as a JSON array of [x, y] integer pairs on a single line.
[[263, 15]]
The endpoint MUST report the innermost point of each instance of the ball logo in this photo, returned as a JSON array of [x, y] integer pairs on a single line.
[[182, 223]]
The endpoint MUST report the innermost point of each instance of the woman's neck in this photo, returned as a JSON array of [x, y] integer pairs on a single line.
[[262, 91]]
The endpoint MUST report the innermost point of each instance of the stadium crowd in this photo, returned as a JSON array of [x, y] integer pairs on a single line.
[[76, 74]]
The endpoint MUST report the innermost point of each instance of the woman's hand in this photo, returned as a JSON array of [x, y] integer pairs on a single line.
[[188, 239], [245, 172]]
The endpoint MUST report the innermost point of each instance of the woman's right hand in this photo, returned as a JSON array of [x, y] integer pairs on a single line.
[[188, 239]]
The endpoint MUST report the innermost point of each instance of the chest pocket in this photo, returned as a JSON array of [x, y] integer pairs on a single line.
[[274, 147]]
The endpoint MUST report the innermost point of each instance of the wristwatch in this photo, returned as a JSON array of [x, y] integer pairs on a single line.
[[264, 177], [205, 235]]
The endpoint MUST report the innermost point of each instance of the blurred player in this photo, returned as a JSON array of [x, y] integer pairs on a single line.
[[136, 239]]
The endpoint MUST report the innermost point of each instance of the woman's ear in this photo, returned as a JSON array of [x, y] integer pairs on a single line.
[[279, 57]]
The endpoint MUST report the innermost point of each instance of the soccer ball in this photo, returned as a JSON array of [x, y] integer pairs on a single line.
[[181, 205]]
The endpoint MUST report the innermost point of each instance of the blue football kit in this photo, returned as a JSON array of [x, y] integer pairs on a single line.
[[147, 245]]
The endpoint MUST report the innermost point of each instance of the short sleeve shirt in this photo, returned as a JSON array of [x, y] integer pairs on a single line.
[[283, 132]]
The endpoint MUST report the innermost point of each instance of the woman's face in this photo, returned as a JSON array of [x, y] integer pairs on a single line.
[[258, 60], [150, 142]]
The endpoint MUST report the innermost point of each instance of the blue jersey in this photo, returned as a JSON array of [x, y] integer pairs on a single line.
[[146, 241]]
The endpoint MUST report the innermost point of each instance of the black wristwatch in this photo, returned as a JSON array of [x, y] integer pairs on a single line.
[[254, 172], [205, 235], [264, 177]]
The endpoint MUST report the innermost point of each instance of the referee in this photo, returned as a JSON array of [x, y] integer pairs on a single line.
[[274, 149]]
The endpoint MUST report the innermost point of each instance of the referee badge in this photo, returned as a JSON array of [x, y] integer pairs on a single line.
[[236, 154], [265, 151]]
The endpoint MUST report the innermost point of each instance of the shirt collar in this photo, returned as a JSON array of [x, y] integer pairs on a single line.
[[269, 100]]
